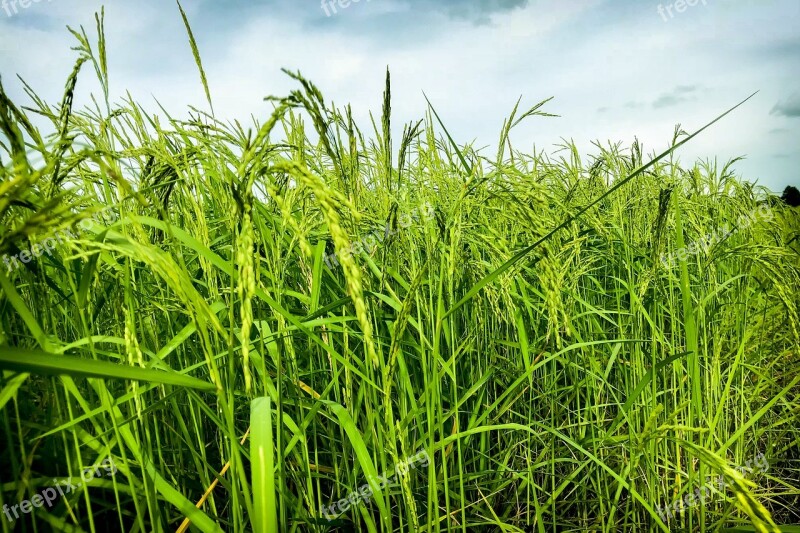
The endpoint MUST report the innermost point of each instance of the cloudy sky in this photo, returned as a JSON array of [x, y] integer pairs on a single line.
[[618, 69]]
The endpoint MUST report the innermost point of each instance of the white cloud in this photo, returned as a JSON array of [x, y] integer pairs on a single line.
[[590, 54]]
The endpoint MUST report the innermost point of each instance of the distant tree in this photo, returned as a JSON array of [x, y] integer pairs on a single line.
[[791, 196]]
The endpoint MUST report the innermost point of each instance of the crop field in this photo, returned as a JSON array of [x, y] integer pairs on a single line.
[[305, 324]]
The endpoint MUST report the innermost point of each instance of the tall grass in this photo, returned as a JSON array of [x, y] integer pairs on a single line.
[[526, 334]]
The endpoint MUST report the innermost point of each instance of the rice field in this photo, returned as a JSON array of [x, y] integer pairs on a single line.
[[305, 324]]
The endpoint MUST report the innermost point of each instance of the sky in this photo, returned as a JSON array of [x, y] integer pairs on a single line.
[[617, 69]]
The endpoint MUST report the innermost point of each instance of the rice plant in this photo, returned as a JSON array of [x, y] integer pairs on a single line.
[[298, 325]]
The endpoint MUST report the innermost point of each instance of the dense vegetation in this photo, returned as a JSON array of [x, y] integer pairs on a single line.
[[302, 306]]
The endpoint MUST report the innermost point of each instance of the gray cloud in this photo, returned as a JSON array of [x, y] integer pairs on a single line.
[[679, 95], [404, 20], [477, 11], [788, 108]]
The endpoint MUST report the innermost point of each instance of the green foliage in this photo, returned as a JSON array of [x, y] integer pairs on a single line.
[[523, 331]]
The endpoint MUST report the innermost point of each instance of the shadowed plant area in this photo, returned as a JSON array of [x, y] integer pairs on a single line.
[[302, 325]]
